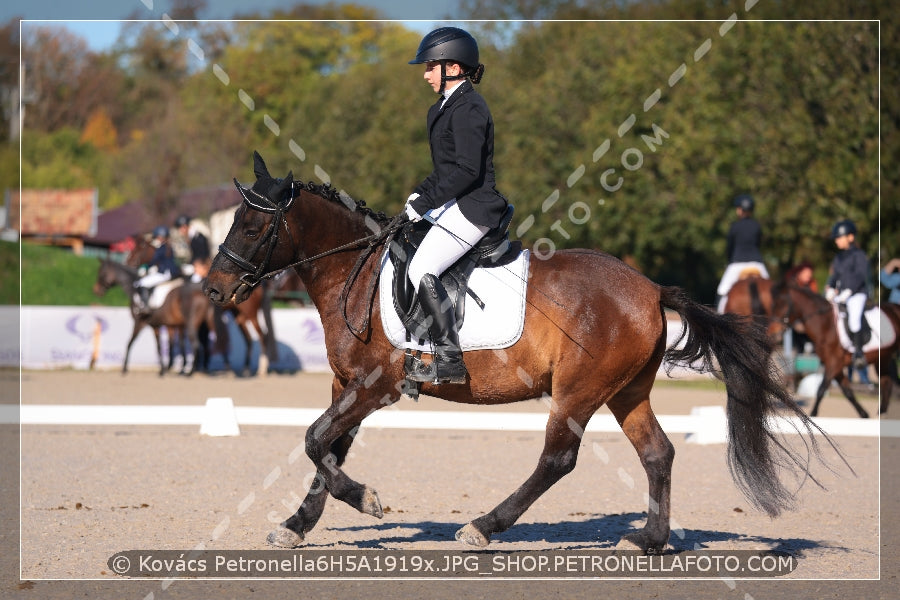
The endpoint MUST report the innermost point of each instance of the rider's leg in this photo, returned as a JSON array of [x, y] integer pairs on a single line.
[[856, 304], [447, 240]]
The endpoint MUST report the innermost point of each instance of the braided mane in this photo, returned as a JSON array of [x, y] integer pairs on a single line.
[[324, 190]]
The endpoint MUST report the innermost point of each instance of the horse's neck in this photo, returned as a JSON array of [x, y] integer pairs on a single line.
[[812, 309], [124, 276], [333, 226]]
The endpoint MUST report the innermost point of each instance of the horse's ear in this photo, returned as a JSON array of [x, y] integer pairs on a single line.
[[259, 167], [276, 192]]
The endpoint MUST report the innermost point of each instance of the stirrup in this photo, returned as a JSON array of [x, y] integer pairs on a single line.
[[439, 371]]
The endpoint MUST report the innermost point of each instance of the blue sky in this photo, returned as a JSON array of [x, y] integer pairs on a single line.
[[98, 21]]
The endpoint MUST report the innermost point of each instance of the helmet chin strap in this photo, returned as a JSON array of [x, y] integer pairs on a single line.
[[445, 78]]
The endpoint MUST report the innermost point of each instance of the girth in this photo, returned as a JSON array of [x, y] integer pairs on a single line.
[[493, 250]]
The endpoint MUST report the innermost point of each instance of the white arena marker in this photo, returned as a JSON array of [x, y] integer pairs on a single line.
[[219, 418], [711, 428]]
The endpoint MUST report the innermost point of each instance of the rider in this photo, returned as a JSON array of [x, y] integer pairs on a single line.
[[199, 245], [847, 283], [459, 193], [161, 267], [742, 249]]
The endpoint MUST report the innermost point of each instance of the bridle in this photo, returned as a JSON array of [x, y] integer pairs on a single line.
[[800, 317], [254, 274]]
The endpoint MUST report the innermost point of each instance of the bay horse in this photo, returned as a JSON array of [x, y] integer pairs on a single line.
[[244, 315], [794, 304], [594, 335], [181, 313], [750, 296]]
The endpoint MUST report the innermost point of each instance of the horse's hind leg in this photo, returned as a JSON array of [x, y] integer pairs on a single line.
[[563, 437], [292, 531], [656, 453]]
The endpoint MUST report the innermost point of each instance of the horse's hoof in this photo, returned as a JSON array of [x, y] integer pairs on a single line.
[[470, 535], [371, 505], [284, 538]]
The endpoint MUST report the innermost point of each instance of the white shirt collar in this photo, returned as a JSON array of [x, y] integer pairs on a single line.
[[449, 91]]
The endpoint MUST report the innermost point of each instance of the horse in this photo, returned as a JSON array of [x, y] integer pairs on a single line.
[[794, 304], [594, 334], [182, 312], [750, 296], [244, 315]]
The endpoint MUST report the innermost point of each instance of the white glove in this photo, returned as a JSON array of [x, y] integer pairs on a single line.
[[830, 293], [413, 215], [842, 297]]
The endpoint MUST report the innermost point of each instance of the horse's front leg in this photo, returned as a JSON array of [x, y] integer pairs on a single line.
[[837, 373], [327, 442], [292, 532]]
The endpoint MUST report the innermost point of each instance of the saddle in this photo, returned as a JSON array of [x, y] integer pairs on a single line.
[[865, 329], [493, 250]]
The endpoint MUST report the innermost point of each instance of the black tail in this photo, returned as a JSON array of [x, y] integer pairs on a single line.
[[738, 350]]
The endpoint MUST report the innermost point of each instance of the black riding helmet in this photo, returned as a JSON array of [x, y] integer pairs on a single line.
[[450, 44], [842, 228], [744, 202]]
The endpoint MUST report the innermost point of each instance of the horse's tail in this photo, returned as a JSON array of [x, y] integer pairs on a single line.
[[756, 306], [738, 350], [266, 305]]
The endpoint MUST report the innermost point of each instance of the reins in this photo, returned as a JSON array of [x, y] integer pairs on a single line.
[[255, 274]]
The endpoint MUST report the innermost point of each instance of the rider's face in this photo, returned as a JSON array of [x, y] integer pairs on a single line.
[[843, 242], [433, 73]]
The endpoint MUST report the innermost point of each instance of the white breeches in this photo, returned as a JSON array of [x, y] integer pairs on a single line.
[[856, 304], [732, 274], [451, 236], [152, 279]]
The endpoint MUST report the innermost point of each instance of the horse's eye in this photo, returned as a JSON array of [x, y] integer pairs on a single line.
[[251, 232]]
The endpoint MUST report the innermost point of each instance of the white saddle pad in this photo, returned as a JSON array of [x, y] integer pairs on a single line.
[[160, 291], [498, 325], [883, 333]]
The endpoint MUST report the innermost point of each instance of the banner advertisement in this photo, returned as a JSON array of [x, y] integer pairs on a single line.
[[80, 337]]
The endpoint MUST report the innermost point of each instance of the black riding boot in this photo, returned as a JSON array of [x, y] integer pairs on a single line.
[[859, 357], [448, 365], [143, 300]]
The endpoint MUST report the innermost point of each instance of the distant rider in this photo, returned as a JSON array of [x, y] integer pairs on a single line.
[[847, 283], [742, 249], [161, 268]]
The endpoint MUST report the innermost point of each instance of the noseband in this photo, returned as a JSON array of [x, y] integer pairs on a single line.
[[254, 274]]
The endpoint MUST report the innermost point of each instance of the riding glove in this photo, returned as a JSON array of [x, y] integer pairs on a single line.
[[413, 215]]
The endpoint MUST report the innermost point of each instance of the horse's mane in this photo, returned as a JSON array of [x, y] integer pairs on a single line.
[[324, 190]]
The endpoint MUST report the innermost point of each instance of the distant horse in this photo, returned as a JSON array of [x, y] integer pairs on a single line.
[[750, 296], [793, 304], [182, 312], [595, 334], [243, 314]]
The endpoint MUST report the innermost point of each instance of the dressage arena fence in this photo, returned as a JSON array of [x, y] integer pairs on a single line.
[[219, 417], [69, 337]]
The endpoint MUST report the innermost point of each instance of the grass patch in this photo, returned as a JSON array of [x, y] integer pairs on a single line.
[[56, 277], [9, 273]]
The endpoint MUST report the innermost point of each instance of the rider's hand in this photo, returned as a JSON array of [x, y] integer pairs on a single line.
[[411, 212], [842, 297], [830, 293]]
